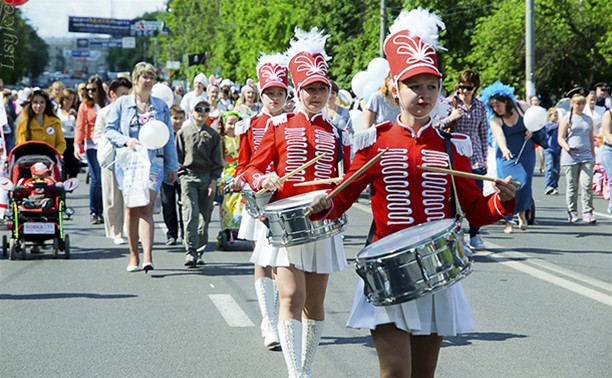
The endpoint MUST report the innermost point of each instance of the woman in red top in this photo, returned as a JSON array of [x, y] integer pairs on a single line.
[[291, 140], [273, 77], [408, 335], [95, 99]]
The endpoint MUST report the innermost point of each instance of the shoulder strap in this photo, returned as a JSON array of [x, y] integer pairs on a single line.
[[449, 151]]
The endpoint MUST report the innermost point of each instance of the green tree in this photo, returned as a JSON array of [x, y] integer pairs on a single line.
[[24, 53]]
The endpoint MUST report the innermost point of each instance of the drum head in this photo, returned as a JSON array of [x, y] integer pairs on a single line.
[[405, 238], [290, 202]]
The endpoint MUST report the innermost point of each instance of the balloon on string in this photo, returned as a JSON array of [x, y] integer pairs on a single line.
[[378, 69], [369, 89], [154, 135], [15, 3], [535, 117], [359, 81], [357, 120], [164, 92]]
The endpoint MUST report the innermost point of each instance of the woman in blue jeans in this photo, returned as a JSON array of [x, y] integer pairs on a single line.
[[606, 156], [95, 99]]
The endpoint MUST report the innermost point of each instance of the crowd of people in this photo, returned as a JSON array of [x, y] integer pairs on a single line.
[[226, 138]]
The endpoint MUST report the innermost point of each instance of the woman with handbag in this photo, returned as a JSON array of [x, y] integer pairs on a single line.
[[95, 99], [112, 200], [126, 118]]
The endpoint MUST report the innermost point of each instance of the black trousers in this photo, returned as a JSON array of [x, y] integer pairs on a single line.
[[173, 217]]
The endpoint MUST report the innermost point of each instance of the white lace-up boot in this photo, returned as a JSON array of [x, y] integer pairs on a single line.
[[290, 332], [266, 293], [311, 336]]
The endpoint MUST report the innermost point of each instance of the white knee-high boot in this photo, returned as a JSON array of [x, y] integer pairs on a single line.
[[266, 296], [290, 332], [311, 336]]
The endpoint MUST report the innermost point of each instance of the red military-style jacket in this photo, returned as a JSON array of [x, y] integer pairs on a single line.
[[290, 141], [251, 131], [403, 195]]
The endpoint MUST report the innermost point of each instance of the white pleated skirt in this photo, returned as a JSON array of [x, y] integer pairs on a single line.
[[250, 227], [322, 256], [446, 313]]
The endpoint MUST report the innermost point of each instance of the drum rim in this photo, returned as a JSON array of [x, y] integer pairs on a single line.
[[404, 248], [270, 207]]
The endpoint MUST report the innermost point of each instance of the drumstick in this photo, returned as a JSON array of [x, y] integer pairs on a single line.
[[357, 173], [334, 180], [297, 170], [462, 174], [230, 183]]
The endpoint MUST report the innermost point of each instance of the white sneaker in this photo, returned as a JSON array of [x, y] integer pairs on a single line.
[[119, 241], [476, 243]]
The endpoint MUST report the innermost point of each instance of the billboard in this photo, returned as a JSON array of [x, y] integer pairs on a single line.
[[116, 27], [98, 25]]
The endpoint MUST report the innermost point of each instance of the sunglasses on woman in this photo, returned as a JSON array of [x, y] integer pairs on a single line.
[[466, 87], [91, 89]]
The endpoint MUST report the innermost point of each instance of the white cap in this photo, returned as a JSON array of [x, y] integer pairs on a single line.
[[198, 100], [200, 78], [226, 83]]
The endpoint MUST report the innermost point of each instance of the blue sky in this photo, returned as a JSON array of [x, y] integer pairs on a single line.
[[50, 17]]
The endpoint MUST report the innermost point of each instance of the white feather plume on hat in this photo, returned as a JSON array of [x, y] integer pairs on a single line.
[[420, 23], [279, 59], [312, 42]]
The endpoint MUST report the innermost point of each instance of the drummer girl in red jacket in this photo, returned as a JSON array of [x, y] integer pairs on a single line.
[[408, 335], [290, 141], [273, 76]]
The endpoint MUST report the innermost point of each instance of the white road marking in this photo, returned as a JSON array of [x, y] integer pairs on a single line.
[[550, 278], [527, 268], [211, 285], [230, 310]]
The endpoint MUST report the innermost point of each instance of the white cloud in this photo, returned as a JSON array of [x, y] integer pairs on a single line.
[[50, 17]]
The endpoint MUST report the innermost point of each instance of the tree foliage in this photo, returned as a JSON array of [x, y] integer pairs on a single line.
[[22, 51], [573, 43]]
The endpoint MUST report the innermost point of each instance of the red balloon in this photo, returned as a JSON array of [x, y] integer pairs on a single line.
[[15, 2]]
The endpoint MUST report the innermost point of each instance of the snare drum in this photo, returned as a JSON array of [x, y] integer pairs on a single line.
[[254, 203], [414, 262], [287, 225]]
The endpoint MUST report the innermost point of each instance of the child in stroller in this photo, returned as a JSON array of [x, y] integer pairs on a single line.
[[231, 203], [37, 196], [40, 190]]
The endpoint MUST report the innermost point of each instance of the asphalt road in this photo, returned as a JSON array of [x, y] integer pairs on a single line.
[[541, 299]]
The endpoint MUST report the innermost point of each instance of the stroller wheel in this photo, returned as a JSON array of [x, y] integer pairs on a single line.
[[55, 247], [66, 247], [222, 240], [12, 248]]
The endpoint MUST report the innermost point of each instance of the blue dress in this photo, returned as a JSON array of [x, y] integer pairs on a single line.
[[523, 171]]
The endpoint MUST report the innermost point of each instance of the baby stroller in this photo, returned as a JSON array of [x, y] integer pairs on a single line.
[[37, 207]]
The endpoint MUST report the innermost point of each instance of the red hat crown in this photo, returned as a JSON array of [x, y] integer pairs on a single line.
[[307, 58], [272, 72], [413, 52]]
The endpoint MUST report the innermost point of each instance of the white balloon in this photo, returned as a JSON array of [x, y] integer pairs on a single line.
[[357, 120], [535, 118], [359, 81], [378, 69], [164, 92], [154, 134]]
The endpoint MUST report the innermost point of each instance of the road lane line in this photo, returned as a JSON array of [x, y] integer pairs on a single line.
[[542, 275], [230, 310], [550, 278], [554, 268]]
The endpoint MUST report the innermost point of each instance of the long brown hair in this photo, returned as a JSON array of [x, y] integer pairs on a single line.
[[29, 112], [100, 95]]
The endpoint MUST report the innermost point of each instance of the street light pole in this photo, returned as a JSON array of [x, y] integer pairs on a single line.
[[530, 89], [383, 27]]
